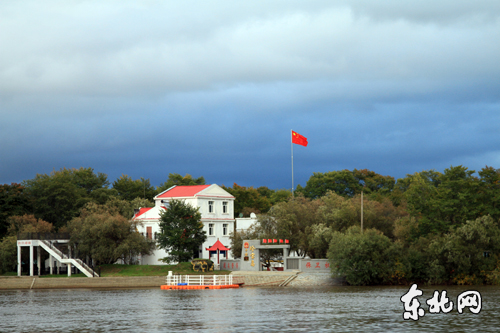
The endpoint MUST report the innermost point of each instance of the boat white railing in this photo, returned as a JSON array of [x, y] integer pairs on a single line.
[[199, 280]]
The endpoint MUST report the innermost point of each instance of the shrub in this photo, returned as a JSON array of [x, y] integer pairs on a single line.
[[363, 258]]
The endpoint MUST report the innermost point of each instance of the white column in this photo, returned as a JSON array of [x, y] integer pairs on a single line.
[[19, 266], [69, 256], [51, 264], [284, 260], [31, 259], [39, 259]]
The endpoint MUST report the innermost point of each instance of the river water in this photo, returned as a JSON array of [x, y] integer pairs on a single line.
[[329, 309]]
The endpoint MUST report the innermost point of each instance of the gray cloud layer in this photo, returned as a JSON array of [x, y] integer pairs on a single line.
[[155, 48], [396, 85]]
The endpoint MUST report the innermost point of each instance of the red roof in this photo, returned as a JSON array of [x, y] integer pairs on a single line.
[[142, 211], [218, 246], [183, 191]]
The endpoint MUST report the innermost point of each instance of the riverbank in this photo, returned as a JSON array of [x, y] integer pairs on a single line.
[[35, 282], [248, 279]]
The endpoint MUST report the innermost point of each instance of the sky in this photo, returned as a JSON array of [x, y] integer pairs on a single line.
[[214, 88]]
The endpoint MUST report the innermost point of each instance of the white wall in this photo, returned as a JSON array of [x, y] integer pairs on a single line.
[[243, 223]]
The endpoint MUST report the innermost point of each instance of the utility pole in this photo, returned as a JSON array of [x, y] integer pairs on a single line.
[[361, 211]]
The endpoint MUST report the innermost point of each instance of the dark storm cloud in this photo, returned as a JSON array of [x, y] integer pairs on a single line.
[[150, 88]]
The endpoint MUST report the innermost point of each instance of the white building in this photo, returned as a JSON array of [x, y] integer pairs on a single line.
[[244, 223], [217, 214]]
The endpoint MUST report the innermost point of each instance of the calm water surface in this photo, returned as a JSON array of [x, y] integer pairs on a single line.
[[330, 309]]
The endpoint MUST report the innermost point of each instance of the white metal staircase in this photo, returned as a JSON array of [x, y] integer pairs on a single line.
[[62, 258]]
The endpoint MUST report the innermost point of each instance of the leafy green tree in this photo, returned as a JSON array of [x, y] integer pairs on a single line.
[[470, 249], [104, 235], [28, 223], [463, 255], [420, 197], [292, 220], [339, 213], [430, 177], [406, 229], [299, 190], [320, 237], [341, 182], [13, 202], [181, 231], [58, 197], [264, 191], [176, 179], [363, 258], [373, 182], [448, 200], [86, 179], [280, 196], [457, 196], [415, 264], [248, 200], [126, 208], [8, 245], [8, 254], [489, 192], [129, 189], [349, 183]]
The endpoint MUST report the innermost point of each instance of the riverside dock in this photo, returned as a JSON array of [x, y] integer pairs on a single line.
[[185, 282]]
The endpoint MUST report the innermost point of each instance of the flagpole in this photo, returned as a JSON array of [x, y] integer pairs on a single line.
[[291, 142]]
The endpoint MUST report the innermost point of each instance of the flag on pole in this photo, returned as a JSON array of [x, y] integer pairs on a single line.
[[299, 139]]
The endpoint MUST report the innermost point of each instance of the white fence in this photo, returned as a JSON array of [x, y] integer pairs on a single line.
[[199, 280]]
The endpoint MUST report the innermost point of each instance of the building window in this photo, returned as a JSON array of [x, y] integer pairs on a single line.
[[224, 207], [210, 206], [210, 229], [224, 229], [149, 232]]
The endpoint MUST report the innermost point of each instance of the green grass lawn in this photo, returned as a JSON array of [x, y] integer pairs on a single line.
[[153, 270]]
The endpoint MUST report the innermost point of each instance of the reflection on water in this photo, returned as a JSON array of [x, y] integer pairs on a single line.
[[336, 309]]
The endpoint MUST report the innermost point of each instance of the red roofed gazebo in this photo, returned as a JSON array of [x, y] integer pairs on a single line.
[[218, 246]]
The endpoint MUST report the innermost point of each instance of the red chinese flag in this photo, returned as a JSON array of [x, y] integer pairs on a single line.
[[281, 241], [269, 241], [264, 241], [286, 241], [275, 241], [299, 139]]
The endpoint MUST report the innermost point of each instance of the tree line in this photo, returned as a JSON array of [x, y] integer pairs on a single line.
[[431, 227], [84, 204], [97, 213]]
